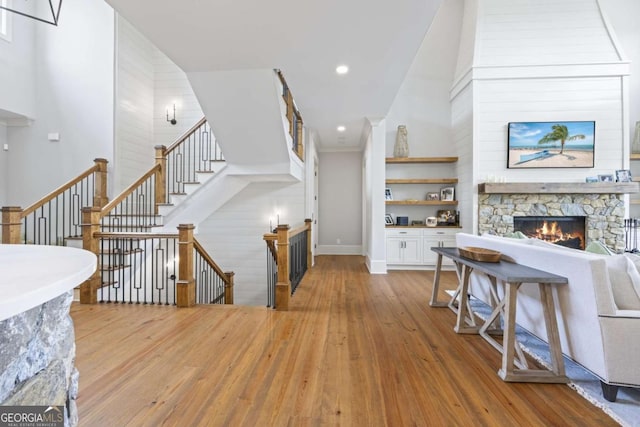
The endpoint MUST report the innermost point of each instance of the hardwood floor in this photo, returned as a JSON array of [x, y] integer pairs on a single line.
[[355, 350]]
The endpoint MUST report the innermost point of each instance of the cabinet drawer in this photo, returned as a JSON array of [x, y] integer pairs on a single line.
[[399, 232]]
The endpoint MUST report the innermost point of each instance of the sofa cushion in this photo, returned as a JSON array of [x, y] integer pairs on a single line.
[[597, 247], [622, 274]]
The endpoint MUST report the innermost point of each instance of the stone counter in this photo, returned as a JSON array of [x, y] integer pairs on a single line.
[[38, 345]]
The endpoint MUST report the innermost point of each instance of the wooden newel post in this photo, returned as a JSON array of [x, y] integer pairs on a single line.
[[161, 176], [91, 225], [186, 286], [308, 223], [228, 288], [100, 198], [11, 224], [283, 286]]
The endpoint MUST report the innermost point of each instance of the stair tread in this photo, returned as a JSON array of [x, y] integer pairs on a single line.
[[133, 215], [191, 182], [205, 172], [178, 194]]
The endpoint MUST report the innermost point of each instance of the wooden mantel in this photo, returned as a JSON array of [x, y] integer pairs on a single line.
[[558, 188]]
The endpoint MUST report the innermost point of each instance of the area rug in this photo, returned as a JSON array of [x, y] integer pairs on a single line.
[[625, 410]]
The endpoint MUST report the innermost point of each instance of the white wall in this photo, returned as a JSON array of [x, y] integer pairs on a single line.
[[74, 73], [17, 68], [147, 83], [233, 234], [134, 153], [340, 200], [4, 166]]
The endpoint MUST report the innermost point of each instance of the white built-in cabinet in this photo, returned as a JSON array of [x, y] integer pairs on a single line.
[[411, 247]]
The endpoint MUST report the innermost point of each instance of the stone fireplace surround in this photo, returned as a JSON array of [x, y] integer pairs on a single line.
[[601, 203]]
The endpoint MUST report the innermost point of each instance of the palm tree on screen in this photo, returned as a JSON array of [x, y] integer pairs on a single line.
[[559, 133]]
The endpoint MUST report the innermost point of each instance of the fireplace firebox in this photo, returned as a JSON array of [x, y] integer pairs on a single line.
[[566, 231]]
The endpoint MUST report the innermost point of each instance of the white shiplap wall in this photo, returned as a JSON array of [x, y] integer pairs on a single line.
[[233, 234], [134, 105], [525, 32], [171, 86], [548, 99], [148, 83], [462, 125]]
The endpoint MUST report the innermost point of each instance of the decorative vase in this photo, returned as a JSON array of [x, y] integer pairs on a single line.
[[401, 148]]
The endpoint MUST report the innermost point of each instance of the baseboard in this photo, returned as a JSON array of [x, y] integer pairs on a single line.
[[376, 267], [339, 250]]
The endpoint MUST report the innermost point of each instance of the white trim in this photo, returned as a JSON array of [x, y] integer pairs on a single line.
[[339, 250], [376, 266]]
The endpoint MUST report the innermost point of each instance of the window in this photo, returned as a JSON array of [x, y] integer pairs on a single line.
[[5, 21]]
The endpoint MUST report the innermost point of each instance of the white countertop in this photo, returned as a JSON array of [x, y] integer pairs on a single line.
[[31, 275]]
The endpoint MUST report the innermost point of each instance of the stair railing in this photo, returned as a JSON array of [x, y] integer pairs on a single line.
[[194, 152], [58, 215], [294, 117], [288, 258], [151, 268], [136, 208]]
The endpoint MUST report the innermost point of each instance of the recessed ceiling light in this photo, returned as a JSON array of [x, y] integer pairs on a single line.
[[341, 128], [342, 69]]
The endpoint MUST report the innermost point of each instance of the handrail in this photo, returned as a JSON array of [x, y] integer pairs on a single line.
[[293, 116], [55, 193], [288, 258], [200, 249], [185, 135], [130, 189]]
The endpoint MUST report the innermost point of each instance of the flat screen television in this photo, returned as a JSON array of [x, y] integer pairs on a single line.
[[551, 144]]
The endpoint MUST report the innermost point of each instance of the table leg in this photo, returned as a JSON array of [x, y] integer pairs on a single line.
[[555, 348], [436, 285], [465, 315]]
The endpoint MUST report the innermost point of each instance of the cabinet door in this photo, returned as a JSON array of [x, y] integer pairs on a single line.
[[394, 250], [412, 252], [428, 256]]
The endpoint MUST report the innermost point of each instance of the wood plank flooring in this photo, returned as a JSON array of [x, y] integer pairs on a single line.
[[354, 350]]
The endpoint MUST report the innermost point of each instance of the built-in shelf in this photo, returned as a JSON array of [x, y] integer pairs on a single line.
[[421, 159], [559, 188], [422, 226], [634, 156], [423, 181], [422, 202]]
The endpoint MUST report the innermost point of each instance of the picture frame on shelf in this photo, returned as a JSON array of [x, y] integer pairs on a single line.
[[605, 177], [447, 217], [433, 196], [417, 222], [623, 175], [447, 194], [388, 219], [592, 179], [387, 194]]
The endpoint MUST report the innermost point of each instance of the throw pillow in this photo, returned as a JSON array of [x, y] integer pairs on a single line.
[[597, 247], [620, 270]]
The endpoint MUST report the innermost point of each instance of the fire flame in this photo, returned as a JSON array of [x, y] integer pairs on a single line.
[[553, 233]]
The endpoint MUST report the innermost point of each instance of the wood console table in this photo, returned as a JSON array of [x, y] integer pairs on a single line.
[[512, 276]]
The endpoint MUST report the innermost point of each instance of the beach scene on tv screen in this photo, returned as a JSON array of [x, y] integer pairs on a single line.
[[551, 144]]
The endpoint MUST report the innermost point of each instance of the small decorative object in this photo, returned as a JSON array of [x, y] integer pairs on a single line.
[[433, 196], [635, 145], [387, 194], [402, 220], [447, 194], [432, 221], [447, 217], [591, 179], [605, 178], [480, 254], [401, 148], [623, 175], [417, 222], [388, 219]]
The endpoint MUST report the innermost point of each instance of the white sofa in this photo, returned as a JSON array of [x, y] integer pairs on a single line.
[[598, 311]]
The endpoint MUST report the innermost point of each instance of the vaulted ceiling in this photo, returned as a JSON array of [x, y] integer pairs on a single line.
[[377, 39]]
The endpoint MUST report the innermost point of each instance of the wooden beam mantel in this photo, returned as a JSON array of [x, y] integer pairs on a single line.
[[558, 188]]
